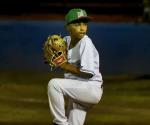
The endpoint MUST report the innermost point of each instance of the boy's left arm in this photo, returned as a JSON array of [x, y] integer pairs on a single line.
[[75, 70]]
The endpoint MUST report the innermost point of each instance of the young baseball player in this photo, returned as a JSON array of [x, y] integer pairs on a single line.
[[82, 82]]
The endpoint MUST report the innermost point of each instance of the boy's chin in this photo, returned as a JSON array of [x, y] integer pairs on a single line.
[[81, 36]]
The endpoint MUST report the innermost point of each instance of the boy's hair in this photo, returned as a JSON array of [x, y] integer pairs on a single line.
[[79, 21]]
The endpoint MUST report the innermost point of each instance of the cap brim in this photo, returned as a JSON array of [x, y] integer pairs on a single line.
[[87, 18]]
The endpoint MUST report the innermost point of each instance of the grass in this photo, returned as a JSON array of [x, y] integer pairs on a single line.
[[23, 101]]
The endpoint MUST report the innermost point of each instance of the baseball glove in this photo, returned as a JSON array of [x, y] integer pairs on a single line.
[[55, 50]]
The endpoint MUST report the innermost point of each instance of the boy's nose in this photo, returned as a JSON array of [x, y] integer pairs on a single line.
[[82, 27]]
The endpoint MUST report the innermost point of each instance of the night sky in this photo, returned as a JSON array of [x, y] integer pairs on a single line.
[[124, 48]]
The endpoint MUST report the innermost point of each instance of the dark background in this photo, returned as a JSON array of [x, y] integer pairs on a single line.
[[118, 32], [130, 7]]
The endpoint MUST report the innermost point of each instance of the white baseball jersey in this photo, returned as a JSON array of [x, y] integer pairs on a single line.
[[85, 56]]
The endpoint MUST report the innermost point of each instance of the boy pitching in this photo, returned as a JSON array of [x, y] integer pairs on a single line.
[[82, 82]]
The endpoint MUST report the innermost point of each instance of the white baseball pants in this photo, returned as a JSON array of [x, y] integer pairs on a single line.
[[82, 95]]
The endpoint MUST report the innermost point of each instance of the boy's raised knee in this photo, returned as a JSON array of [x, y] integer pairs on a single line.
[[53, 83]]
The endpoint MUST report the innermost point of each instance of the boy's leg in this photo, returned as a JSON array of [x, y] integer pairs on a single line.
[[77, 90], [76, 113], [56, 103]]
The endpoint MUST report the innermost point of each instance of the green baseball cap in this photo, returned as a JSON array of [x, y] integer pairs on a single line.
[[76, 14]]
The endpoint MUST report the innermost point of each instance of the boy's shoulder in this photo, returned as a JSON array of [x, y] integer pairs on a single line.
[[87, 40], [88, 43]]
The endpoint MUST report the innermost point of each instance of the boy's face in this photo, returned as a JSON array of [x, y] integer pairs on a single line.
[[77, 29]]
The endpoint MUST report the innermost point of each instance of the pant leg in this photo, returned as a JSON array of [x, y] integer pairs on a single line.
[[56, 104], [76, 113], [80, 91]]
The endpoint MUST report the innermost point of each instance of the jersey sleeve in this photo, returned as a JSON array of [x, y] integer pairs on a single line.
[[89, 57]]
